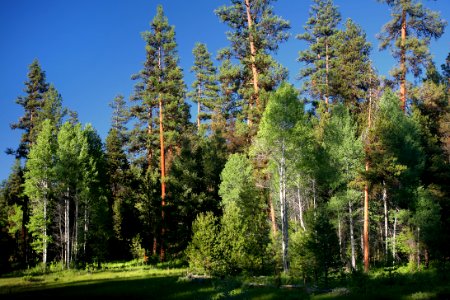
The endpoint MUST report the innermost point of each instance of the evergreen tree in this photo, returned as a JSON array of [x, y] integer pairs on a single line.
[[120, 117], [244, 232], [408, 35], [351, 79], [256, 33], [32, 103], [161, 93], [319, 58], [205, 87]]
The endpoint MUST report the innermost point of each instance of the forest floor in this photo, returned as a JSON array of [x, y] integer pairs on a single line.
[[124, 280]]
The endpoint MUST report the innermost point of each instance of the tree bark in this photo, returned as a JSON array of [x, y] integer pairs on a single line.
[[163, 178], [366, 224], [272, 215], [403, 63], [284, 219], [252, 54], [162, 254], [385, 221], [66, 230], [394, 253], [352, 235], [300, 208]]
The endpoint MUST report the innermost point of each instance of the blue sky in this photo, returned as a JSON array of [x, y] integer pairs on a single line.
[[90, 48]]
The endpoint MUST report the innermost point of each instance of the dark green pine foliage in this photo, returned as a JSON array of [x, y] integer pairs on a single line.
[[205, 87], [35, 88], [230, 112], [319, 58], [195, 180], [395, 155], [351, 78], [120, 117], [161, 78], [431, 109], [160, 101], [260, 72], [17, 201], [122, 200], [408, 35]]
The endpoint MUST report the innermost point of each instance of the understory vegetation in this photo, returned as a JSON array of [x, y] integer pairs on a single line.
[[337, 189]]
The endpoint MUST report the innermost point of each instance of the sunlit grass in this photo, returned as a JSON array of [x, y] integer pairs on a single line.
[[170, 281]]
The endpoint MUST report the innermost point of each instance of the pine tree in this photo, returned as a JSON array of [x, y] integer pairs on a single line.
[[161, 93], [120, 117], [351, 78], [408, 35], [320, 28], [256, 33], [205, 88], [32, 103]]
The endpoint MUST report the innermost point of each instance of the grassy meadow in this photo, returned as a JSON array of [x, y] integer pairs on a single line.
[[133, 280]]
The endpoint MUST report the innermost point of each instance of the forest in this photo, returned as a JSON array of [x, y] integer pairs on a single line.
[[345, 173]]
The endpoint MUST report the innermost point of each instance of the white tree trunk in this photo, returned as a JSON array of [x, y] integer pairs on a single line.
[[352, 235], [284, 215], [300, 208], [66, 230], [394, 254]]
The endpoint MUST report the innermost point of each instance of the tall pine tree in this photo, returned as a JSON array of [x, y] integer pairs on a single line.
[[408, 35]]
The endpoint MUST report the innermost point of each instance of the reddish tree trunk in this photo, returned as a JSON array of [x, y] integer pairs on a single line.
[[403, 62], [253, 55], [366, 224]]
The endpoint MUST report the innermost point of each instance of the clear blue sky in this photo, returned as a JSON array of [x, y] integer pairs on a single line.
[[90, 48]]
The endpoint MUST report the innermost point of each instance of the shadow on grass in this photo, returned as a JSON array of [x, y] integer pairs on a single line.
[[142, 288], [167, 287]]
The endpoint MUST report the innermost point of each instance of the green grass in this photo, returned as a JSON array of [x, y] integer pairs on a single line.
[[169, 281]]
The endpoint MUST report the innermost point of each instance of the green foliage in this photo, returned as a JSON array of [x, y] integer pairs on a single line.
[[422, 24], [315, 253], [32, 103], [205, 87], [202, 252], [396, 154], [15, 219], [320, 29], [39, 185], [244, 233]]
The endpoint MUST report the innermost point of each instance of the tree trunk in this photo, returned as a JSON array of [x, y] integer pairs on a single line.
[[284, 216], [252, 54], [163, 180], [162, 253], [341, 252], [366, 193], [366, 224], [394, 253], [198, 113], [272, 215], [300, 208], [74, 251], [44, 250], [150, 133], [352, 235], [66, 230], [403, 62], [385, 221]]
